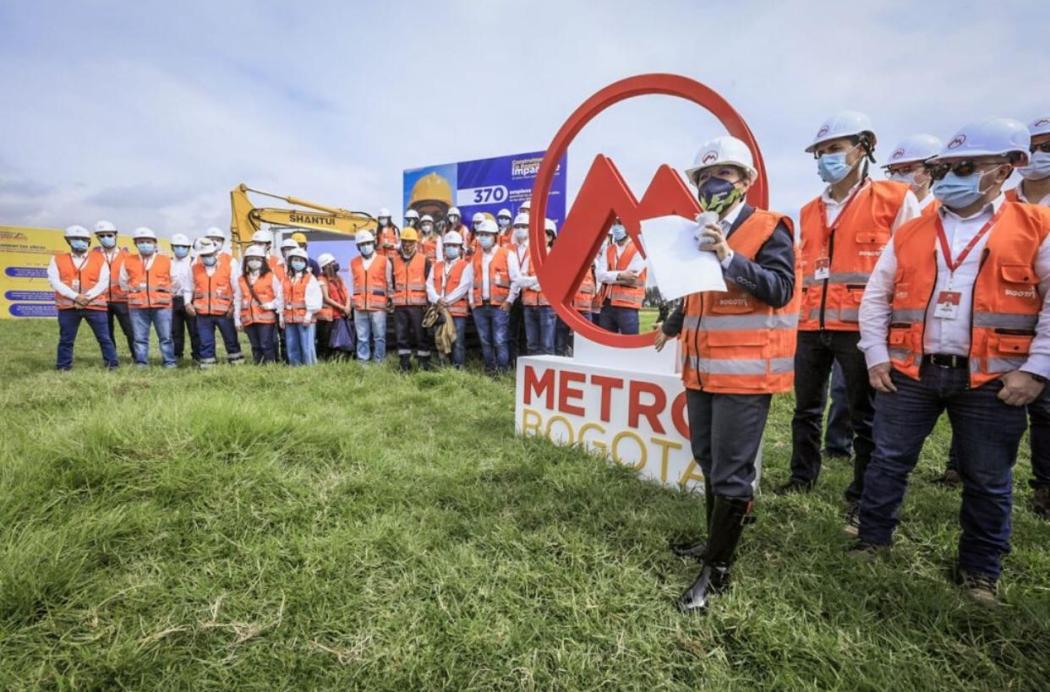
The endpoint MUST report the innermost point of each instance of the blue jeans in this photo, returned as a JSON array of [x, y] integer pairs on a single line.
[[370, 325], [539, 330], [459, 348], [618, 320], [1038, 440], [263, 338], [180, 324], [988, 432], [492, 323], [69, 324], [160, 319], [301, 346], [838, 434], [206, 326]]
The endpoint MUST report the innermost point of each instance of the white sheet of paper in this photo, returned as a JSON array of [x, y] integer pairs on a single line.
[[675, 262]]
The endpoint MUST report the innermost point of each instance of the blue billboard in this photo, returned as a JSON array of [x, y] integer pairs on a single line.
[[484, 185]]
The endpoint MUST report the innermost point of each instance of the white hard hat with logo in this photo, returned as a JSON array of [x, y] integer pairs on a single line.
[[995, 137], [180, 240], [300, 253], [503, 214], [143, 233], [525, 206], [521, 220], [1039, 126], [411, 214], [915, 149], [452, 238], [206, 247], [289, 244], [105, 227], [477, 218], [262, 237], [325, 259], [426, 218], [215, 232], [255, 251], [384, 213], [363, 237], [78, 232], [454, 211], [487, 226], [842, 124], [722, 151]]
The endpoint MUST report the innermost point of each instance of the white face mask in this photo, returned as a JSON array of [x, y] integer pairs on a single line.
[[906, 178], [521, 235], [1038, 166], [255, 265]]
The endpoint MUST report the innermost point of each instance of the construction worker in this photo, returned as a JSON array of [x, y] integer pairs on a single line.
[[335, 305], [583, 303], [842, 233], [408, 292], [907, 165], [370, 281], [454, 222], [539, 315], [300, 239], [220, 238], [387, 234], [116, 299], [259, 304], [1034, 187], [518, 255], [492, 274], [146, 280], [302, 301], [621, 273], [182, 283], [737, 351], [959, 329], [429, 243], [80, 280], [212, 302], [475, 223], [412, 219], [448, 285], [503, 223]]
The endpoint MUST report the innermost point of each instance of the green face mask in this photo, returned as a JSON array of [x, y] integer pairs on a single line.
[[717, 195]]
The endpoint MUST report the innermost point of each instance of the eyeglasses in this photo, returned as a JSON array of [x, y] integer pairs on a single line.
[[961, 168], [1044, 147]]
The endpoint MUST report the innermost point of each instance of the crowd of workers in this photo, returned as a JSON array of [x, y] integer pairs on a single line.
[[925, 292]]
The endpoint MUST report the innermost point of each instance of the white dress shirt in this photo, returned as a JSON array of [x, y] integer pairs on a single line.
[[909, 210], [925, 202], [466, 282], [604, 275], [187, 291], [518, 265], [181, 275], [513, 272], [1044, 202], [122, 279], [367, 263], [63, 289], [949, 336]]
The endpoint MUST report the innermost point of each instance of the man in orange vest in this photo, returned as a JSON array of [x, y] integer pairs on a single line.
[[448, 285], [737, 351], [493, 273], [212, 299], [80, 280], [539, 318], [963, 329], [146, 279], [116, 299], [907, 165], [518, 257], [370, 278], [408, 291], [842, 233], [181, 282], [621, 273]]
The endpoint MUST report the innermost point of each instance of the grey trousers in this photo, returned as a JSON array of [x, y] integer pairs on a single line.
[[726, 436]]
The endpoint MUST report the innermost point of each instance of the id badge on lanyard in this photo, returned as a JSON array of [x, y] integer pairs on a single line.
[[948, 301]]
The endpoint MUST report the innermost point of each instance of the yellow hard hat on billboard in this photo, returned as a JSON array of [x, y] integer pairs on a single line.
[[299, 237], [410, 235], [431, 187]]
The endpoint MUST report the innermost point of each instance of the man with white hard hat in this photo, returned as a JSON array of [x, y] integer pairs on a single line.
[[517, 256], [212, 300], [448, 285], [963, 329], [503, 221], [621, 273], [80, 280], [412, 219], [116, 300], [181, 282], [454, 222], [907, 164], [729, 381], [146, 279], [370, 289], [493, 274], [387, 233], [842, 233]]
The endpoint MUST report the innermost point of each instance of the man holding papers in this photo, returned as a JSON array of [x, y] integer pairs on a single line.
[[738, 349]]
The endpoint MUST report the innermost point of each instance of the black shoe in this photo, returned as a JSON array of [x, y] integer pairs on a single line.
[[949, 479], [424, 362], [695, 550], [713, 579], [405, 363], [794, 486], [1041, 501], [852, 528], [727, 523]]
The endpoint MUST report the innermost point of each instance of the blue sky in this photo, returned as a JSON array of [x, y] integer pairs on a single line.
[[147, 113]]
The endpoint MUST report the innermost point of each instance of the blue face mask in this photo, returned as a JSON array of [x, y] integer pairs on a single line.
[[366, 249], [79, 245], [209, 260], [619, 232], [108, 242], [298, 265], [452, 252], [180, 250], [956, 192], [146, 248], [833, 167], [486, 241]]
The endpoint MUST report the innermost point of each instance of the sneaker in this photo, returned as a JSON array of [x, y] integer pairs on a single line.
[[794, 486], [852, 528], [982, 589], [1041, 502], [861, 550], [949, 479]]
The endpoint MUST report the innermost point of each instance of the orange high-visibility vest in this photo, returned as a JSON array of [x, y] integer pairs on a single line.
[[583, 301], [932, 207], [732, 342], [410, 281], [532, 297], [428, 247], [619, 295], [455, 275], [115, 294], [370, 289], [1006, 300], [499, 277], [149, 288], [294, 290], [212, 295], [861, 230], [1012, 195], [337, 292], [252, 310], [80, 280], [384, 236]]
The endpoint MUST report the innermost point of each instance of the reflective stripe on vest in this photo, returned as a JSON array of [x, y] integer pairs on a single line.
[[459, 308], [619, 295], [115, 294], [583, 301], [336, 292], [212, 295], [410, 287], [532, 297], [295, 297], [80, 280], [370, 290], [252, 311], [499, 277], [149, 288]]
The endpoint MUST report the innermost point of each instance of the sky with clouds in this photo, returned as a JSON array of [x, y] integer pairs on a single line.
[[147, 113]]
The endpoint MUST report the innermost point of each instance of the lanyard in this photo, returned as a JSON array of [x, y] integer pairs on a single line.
[[838, 219], [946, 252]]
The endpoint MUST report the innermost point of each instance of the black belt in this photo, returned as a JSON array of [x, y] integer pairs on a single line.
[[486, 302], [946, 360]]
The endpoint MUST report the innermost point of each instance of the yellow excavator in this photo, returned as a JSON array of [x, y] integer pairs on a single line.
[[319, 221]]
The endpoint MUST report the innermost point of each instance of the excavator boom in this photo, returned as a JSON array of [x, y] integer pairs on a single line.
[[328, 223]]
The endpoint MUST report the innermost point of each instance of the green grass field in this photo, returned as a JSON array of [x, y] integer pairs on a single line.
[[345, 527]]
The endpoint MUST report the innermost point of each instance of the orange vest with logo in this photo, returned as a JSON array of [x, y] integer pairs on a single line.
[[149, 288], [80, 280], [583, 301], [428, 247], [115, 294], [369, 284], [212, 295], [1006, 300], [861, 230], [499, 277], [337, 292], [386, 236], [295, 297], [532, 297], [252, 310], [455, 276], [624, 296], [732, 342], [410, 281]]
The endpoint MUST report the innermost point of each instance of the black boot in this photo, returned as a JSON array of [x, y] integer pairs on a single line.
[[727, 523], [405, 362], [424, 362], [696, 550]]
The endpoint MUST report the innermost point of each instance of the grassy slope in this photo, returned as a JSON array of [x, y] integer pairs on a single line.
[[348, 527]]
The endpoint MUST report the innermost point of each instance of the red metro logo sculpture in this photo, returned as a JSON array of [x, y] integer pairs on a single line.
[[604, 196]]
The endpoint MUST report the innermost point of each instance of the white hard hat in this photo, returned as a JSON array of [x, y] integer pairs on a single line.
[[255, 251], [427, 217], [478, 217], [105, 227], [206, 247], [454, 211], [215, 232], [995, 137], [487, 226], [411, 214], [724, 150], [452, 238], [384, 213], [288, 243], [364, 237], [521, 220], [262, 237], [78, 232], [550, 227], [525, 206], [503, 213], [914, 149], [298, 252], [1039, 126], [842, 124], [180, 239], [325, 259], [143, 233]]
